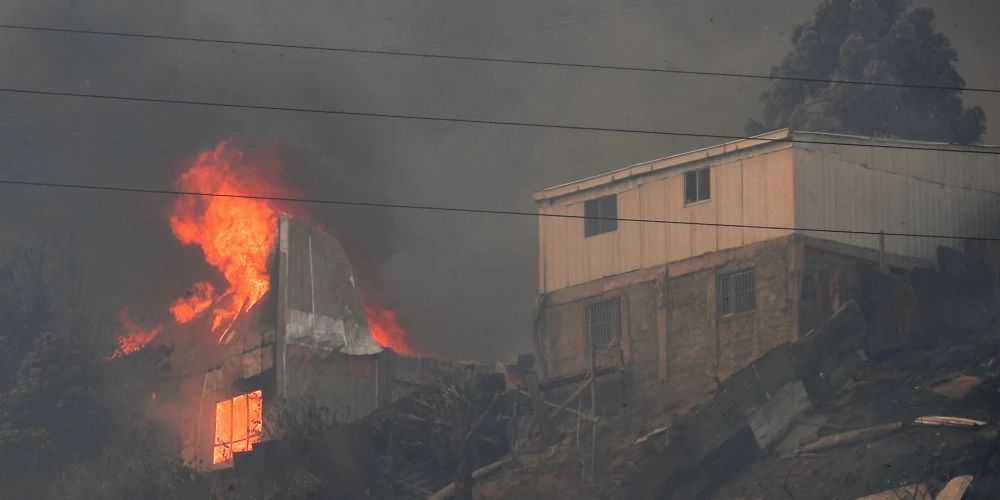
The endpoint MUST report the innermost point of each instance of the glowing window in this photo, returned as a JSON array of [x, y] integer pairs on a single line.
[[238, 425]]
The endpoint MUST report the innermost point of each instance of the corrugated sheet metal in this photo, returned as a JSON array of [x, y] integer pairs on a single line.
[[864, 188], [712, 425], [323, 306], [828, 357]]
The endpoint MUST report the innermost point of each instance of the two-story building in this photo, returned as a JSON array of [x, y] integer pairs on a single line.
[[696, 264]]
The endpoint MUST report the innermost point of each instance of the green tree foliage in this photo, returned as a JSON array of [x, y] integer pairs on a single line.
[[70, 426], [879, 41]]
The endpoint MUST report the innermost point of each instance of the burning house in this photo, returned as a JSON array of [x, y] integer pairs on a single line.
[[291, 328]]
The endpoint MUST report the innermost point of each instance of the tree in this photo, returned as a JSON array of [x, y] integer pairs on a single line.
[[877, 41]]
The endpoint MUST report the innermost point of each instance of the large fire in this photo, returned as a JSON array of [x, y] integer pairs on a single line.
[[236, 232], [386, 330], [134, 336]]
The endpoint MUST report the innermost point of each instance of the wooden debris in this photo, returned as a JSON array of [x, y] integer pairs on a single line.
[[963, 423], [914, 492], [851, 437], [576, 392], [449, 490], [955, 488], [653, 433], [587, 417]]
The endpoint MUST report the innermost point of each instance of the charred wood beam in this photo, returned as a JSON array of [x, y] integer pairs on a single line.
[[449, 490], [555, 383], [587, 417]]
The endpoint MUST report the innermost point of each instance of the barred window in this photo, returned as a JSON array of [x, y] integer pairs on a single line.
[[808, 288], [600, 215], [736, 292], [604, 322]]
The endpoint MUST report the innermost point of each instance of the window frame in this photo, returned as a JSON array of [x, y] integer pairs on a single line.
[[736, 292], [702, 186], [600, 215], [607, 313], [223, 449]]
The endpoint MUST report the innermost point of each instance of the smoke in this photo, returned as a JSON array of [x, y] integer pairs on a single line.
[[464, 284]]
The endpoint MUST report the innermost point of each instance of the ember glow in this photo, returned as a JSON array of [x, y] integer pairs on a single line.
[[134, 337], [239, 423], [201, 297], [386, 330], [235, 234]]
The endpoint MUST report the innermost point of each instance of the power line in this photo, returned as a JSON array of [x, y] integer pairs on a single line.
[[608, 67], [489, 122], [320, 201]]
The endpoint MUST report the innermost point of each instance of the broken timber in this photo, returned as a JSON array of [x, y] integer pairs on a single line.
[[576, 392], [585, 416], [851, 437], [962, 423], [955, 488], [449, 490]]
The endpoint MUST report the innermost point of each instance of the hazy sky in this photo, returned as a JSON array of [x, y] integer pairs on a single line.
[[464, 284]]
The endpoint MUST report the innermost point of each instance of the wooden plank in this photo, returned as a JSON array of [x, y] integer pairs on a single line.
[[589, 418], [449, 490], [576, 392], [955, 489]]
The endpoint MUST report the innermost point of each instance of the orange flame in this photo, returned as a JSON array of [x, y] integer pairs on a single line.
[[386, 330], [235, 234], [185, 309], [135, 337]]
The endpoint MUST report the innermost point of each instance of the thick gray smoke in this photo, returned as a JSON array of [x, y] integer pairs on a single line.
[[464, 284]]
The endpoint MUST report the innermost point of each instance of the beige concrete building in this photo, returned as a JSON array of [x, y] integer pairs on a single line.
[[690, 301]]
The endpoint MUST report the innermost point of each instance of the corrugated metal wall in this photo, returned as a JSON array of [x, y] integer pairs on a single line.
[[865, 188], [753, 187]]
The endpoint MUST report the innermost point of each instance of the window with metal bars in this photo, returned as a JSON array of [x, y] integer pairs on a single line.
[[604, 322], [600, 215], [736, 292], [808, 288]]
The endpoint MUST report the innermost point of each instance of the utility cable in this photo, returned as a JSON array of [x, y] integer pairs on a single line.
[[607, 67], [321, 201], [987, 151]]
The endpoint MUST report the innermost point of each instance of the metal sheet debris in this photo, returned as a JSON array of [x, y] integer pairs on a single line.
[[954, 386]]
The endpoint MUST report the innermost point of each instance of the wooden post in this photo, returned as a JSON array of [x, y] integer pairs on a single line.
[[541, 412], [883, 266], [593, 407]]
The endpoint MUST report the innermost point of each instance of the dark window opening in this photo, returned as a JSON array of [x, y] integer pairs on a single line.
[[697, 186], [808, 288], [736, 292], [604, 322], [600, 215]]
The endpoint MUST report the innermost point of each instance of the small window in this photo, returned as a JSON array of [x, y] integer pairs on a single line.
[[238, 425], [604, 322], [600, 215], [697, 186], [736, 292], [808, 288]]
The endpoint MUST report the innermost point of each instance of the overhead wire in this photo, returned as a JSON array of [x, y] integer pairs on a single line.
[[482, 211], [607, 67], [441, 119]]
